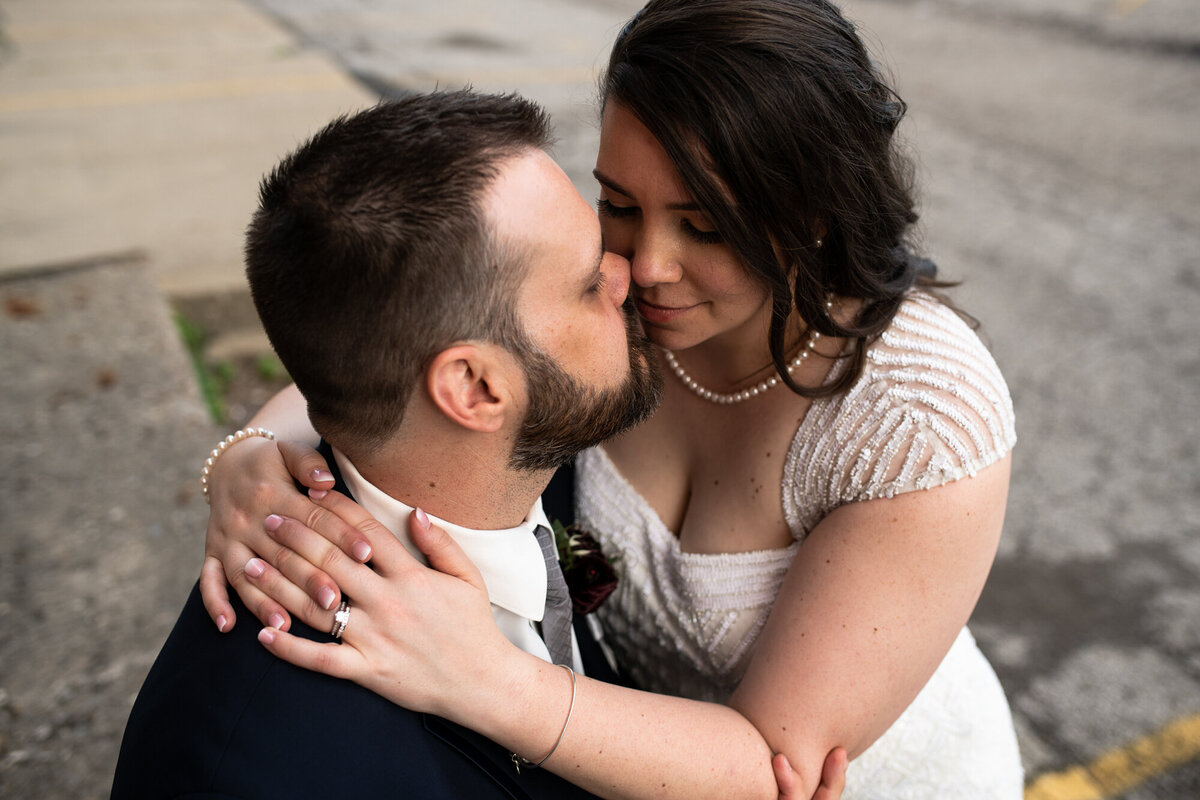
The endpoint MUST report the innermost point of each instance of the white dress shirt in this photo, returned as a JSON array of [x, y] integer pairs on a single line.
[[510, 561]]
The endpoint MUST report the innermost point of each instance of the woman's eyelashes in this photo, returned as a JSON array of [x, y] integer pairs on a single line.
[[697, 235], [606, 208]]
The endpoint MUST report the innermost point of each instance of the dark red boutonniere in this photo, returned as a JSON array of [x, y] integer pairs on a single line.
[[589, 574]]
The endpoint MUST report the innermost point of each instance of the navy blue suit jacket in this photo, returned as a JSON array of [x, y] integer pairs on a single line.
[[220, 717]]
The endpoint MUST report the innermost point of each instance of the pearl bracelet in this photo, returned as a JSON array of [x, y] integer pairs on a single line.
[[226, 443]]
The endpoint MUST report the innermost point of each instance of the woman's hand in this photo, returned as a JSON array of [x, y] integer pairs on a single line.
[[833, 777], [419, 636], [248, 482]]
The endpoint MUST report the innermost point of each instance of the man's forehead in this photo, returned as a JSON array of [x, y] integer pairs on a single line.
[[526, 174], [533, 203]]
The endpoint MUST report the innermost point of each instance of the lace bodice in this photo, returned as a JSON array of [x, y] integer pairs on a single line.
[[931, 407]]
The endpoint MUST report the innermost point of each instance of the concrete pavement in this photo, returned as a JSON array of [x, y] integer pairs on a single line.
[[100, 522], [1057, 147], [132, 138], [143, 125]]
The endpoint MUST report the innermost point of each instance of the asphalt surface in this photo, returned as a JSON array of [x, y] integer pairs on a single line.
[[1057, 150]]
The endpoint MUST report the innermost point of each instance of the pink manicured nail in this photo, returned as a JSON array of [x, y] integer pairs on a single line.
[[266, 636], [361, 551], [255, 568], [319, 475], [272, 522], [317, 494], [221, 622], [422, 517], [276, 620], [326, 597]]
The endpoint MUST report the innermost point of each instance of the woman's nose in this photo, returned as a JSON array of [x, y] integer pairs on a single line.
[[654, 260]]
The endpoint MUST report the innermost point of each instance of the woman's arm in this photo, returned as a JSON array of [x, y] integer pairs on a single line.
[[871, 604], [248, 482]]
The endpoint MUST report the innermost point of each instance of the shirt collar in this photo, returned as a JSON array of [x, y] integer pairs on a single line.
[[510, 561]]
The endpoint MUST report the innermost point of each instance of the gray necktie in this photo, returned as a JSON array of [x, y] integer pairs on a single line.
[[556, 622]]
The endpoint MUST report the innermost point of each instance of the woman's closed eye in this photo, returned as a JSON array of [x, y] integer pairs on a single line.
[[698, 235], [606, 209]]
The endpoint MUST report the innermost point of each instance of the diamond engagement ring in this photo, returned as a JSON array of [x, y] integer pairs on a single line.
[[340, 619]]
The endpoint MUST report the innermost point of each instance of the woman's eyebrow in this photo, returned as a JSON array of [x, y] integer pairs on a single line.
[[609, 183]]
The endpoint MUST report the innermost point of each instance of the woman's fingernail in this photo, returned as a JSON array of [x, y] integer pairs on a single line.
[[422, 517], [319, 475], [326, 597], [276, 620], [317, 494], [361, 551], [273, 522], [266, 636], [255, 568], [221, 623]]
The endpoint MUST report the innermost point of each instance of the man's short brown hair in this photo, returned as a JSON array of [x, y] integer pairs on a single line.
[[369, 253]]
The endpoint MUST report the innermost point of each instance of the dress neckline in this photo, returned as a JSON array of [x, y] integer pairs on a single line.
[[668, 537], [665, 536]]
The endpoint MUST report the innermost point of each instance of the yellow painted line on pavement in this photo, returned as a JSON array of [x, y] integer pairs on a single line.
[[107, 26], [110, 96], [1121, 769], [1123, 7], [115, 96]]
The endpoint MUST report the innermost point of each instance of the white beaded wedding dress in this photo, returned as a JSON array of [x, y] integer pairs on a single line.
[[931, 407]]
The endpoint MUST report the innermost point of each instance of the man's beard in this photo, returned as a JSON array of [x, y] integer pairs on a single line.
[[566, 417]]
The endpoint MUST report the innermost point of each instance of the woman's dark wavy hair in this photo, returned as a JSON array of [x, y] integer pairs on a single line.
[[782, 128]]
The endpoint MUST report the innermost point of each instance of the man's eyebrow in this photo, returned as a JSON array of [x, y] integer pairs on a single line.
[[609, 183]]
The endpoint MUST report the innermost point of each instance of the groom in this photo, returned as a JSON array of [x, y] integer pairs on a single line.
[[441, 296]]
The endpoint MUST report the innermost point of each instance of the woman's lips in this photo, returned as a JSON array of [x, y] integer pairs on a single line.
[[659, 314]]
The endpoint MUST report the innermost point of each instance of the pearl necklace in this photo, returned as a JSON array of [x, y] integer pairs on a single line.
[[806, 346]]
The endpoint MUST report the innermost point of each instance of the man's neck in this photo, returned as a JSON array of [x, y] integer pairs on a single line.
[[468, 487]]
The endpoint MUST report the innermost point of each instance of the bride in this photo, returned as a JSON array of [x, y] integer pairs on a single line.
[[804, 527]]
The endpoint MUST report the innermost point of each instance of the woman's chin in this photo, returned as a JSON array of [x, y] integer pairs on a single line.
[[668, 338]]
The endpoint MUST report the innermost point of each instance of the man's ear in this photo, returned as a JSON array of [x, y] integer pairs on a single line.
[[472, 384]]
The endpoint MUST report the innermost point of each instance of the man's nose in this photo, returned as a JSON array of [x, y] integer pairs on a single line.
[[616, 272]]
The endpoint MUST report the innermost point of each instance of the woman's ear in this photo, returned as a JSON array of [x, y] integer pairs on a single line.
[[472, 385], [819, 229]]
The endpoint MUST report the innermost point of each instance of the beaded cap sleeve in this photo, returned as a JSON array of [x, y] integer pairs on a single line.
[[931, 407]]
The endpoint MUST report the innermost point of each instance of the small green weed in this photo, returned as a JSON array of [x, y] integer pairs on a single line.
[[213, 379]]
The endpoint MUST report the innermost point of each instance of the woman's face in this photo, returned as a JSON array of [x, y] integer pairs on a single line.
[[687, 284]]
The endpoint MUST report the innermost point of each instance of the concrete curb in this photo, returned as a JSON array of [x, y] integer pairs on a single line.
[[102, 427]]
